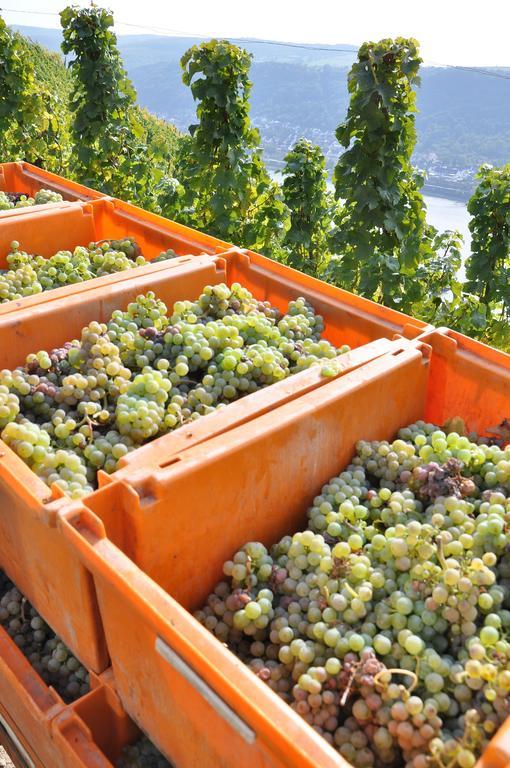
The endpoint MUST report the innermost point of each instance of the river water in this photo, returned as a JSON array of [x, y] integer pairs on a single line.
[[449, 214]]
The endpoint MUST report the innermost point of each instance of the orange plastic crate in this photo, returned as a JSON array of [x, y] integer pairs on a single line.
[[155, 545], [93, 730], [32, 552], [469, 378], [497, 754], [29, 179], [44, 732], [47, 229], [348, 319]]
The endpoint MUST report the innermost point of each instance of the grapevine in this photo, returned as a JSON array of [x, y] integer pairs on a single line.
[[24, 117], [227, 190], [103, 97], [311, 207], [381, 233], [386, 622]]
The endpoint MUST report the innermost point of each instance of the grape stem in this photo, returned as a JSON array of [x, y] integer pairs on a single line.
[[438, 760], [396, 671], [325, 592], [440, 553], [248, 583], [348, 687], [350, 589]]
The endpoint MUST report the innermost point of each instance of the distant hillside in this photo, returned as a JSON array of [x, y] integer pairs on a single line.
[[463, 120], [151, 49]]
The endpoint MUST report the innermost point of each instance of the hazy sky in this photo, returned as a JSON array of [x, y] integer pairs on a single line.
[[450, 31]]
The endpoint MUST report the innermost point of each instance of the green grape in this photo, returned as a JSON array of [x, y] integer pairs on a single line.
[[165, 256], [9, 406], [84, 406], [387, 619], [44, 196], [140, 410], [9, 200], [28, 274]]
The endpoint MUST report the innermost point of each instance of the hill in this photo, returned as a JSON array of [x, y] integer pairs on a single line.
[[463, 120], [150, 49]]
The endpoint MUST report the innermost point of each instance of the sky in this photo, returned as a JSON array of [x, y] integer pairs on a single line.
[[466, 32]]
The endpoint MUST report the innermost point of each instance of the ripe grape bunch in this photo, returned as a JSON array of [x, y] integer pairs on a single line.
[[10, 200], [42, 647], [78, 409], [28, 274], [386, 622]]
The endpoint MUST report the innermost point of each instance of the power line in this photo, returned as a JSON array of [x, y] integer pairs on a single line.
[[34, 13], [476, 70], [302, 46], [179, 32]]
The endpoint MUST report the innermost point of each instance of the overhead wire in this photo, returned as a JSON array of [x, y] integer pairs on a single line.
[[493, 72]]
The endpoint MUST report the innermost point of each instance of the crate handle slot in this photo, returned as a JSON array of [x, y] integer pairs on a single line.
[[223, 709], [23, 754]]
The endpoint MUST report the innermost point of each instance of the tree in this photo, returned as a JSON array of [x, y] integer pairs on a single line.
[[311, 206], [23, 115], [381, 231], [227, 191]]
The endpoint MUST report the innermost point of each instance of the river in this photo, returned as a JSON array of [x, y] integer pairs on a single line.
[[449, 214]]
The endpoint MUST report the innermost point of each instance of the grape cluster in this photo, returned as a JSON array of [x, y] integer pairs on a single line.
[[64, 468], [47, 654], [9, 200], [9, 406], [166, 255], [386, 623], [72, 411], [142, 754], [43, 196], [28, 274]]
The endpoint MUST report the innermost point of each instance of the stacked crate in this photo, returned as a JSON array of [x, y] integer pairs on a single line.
[[102, 571]]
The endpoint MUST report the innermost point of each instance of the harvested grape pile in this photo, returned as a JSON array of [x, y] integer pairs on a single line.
[[142, 754], [386, 623], [29, 274], [9, 200], [48, 655], [80, 408]]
